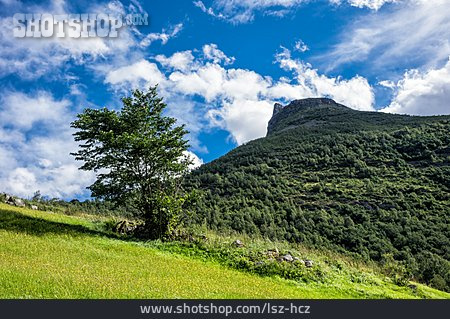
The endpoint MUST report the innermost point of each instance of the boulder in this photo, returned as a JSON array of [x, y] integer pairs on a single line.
[[288, 258], [308, 263], [9, 200], [18, 202], [238, 243], [34, 207], [14, 201]]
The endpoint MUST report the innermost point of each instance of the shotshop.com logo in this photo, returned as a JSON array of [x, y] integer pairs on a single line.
[[85, 25]]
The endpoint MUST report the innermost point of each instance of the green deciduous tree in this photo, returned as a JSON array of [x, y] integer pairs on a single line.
[[139, 157]]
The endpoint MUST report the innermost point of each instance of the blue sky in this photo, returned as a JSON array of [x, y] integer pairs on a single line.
[[220, 65]]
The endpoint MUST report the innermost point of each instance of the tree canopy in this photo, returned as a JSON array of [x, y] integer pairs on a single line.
[[139, 156]]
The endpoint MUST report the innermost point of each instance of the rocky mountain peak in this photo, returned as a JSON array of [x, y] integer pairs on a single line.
[[297, 109]]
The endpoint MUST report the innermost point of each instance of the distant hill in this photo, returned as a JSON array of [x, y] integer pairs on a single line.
[[370, 184]]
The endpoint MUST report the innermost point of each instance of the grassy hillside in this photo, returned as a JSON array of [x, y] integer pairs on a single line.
[[369, 184], [48, 255]]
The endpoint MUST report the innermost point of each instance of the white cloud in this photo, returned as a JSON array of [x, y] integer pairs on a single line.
[[238, 100], [422, 93], [210, 11], [371, 4], [300, 46], [237, 92], [417, 32], [355, 92], [22, 111], [35, 142], [387, 84], [206, 81], [32, 58], [164, 36], [135, 73], [244, 119], [196, 161], [211, 52], [243, 11], [180, 61]]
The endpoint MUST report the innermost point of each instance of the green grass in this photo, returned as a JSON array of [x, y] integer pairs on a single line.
[[47, 255]]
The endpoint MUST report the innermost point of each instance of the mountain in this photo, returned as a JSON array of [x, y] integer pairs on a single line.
[[368, 184]]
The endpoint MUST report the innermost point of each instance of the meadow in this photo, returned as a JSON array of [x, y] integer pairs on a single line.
[[52, 255]]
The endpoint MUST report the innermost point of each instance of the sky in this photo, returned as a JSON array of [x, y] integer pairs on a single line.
[[220, 66]]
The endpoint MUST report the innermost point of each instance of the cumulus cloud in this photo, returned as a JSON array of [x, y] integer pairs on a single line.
[[245, 119], [416, 32], [422, 93], [180, 61], [35, 142], [355, 92], [205, 81], [22, 111], [211, 52], [135, 73], [237, 94]]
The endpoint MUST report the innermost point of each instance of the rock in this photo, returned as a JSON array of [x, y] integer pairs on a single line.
[[295, 109], [308, 263], [277, 108], [14, 201], [288, 258], [34, 207], [9, 200], [18, 202], [238, 243], [259, 263]]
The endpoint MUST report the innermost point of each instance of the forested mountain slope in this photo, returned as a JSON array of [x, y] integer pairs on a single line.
[[366, 183]]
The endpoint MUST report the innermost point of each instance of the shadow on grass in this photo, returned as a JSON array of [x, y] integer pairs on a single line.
[[20, 223]]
